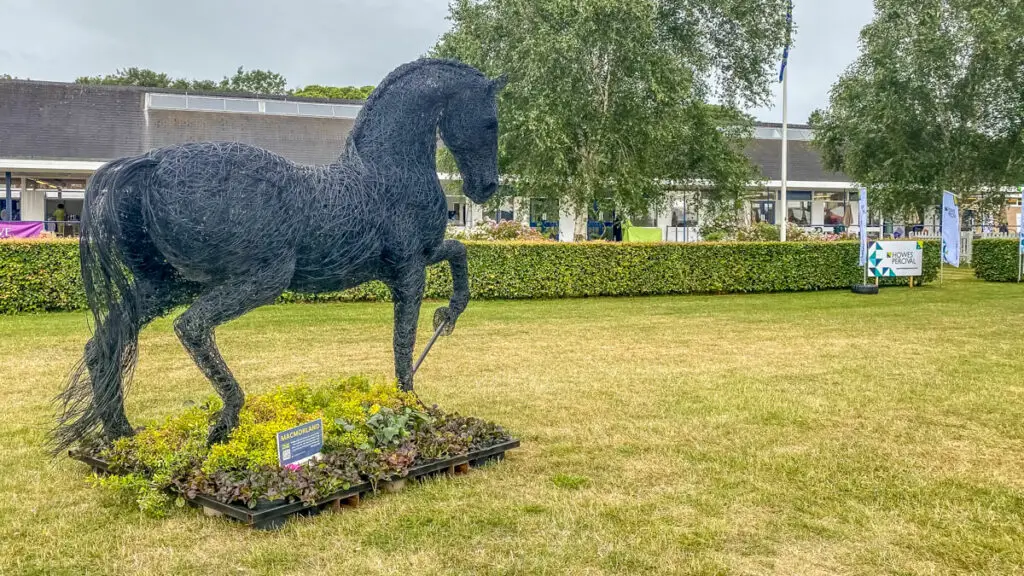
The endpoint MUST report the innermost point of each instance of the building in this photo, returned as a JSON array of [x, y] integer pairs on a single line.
[[57, 134]]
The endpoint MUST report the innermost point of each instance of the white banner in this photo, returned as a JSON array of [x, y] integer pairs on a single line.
[[1020, 220], [892, 258], [950, 230], [863, 221]]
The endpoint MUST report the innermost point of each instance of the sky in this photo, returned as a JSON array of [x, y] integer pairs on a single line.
[[331, 42]]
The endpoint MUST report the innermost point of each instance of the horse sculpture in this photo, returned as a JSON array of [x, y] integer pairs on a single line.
[[228, 227]]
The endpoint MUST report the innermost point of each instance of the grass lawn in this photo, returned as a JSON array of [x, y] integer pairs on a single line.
[[813, 433]]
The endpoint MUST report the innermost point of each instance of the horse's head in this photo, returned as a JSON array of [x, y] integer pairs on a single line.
[[469, 128]]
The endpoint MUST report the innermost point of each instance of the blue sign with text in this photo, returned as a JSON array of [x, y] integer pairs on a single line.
[[301, 443]]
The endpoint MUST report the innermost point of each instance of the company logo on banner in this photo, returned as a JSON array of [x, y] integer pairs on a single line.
[[892, 258], [950, 230], [863, 219]]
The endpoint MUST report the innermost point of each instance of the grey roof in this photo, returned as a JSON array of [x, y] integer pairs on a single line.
[[804, 161], [61, 121]]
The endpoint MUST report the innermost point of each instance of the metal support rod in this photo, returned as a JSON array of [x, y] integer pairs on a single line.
[[430, 343]]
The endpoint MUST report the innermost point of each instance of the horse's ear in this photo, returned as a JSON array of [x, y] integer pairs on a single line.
[[498, 83]]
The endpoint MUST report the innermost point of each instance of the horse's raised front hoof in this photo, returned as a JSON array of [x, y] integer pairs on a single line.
[[447, 316]]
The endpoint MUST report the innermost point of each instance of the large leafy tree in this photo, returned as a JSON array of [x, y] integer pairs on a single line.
[[934, 102], [608, 98]]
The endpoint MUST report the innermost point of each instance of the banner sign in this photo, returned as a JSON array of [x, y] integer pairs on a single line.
[[20, 229], [296, 445], [1020, 220], [895, 258], [863, 220], [950, 230]]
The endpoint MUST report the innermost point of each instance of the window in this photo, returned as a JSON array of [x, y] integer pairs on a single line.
[[684, 214], [643, 219], [457, 211], [603, 211], [762, 211], [834, 207], [544, 216], [873, 219], [601, 219], [798, 208], [505, 211], [543, 212]]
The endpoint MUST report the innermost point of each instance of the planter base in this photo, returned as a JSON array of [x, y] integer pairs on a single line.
[[273, 515]]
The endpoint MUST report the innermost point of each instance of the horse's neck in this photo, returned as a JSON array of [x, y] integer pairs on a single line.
[[399, 130]]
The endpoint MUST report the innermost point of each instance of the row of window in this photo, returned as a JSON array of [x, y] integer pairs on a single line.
[[802, 208]]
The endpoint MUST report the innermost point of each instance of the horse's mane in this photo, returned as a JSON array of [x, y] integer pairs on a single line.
[[390, 81], [410, 67]]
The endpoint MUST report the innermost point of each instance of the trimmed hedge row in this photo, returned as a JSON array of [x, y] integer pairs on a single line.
[[40, 276], [995, 259], [43, 275]]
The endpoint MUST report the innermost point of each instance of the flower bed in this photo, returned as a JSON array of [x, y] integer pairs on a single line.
[[372, 433]]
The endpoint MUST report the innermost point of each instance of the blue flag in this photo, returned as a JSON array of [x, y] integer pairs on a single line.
[[950, 230], [863, 219], [789, 37]]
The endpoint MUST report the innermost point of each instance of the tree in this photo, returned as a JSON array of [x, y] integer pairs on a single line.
[[335, 92], [934, 102], [130, 77], [255, 82], [243, 81], [607, 98]]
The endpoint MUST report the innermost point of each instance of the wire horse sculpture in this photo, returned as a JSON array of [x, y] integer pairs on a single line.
[[228, 227]]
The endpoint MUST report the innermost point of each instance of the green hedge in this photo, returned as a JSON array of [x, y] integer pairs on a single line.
[[43, 275], [995, 259], [40, 276]]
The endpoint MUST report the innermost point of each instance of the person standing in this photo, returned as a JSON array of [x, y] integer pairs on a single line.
[[59, 215]]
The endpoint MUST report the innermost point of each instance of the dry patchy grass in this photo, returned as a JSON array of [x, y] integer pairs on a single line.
[[822, 433]]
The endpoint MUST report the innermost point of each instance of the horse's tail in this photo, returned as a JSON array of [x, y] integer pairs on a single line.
[[95, 384]]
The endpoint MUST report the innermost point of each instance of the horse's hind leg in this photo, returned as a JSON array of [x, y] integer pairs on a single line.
[[195, 330]]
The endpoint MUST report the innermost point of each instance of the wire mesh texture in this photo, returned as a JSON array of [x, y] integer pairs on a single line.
[[225, 227]]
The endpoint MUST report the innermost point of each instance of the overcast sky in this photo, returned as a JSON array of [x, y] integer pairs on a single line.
[[334, 42]]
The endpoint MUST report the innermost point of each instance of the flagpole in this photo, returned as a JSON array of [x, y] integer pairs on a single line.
[[785, 156], [784, 78]]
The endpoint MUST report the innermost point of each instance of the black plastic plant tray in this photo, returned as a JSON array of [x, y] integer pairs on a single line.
[[272, 515]]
